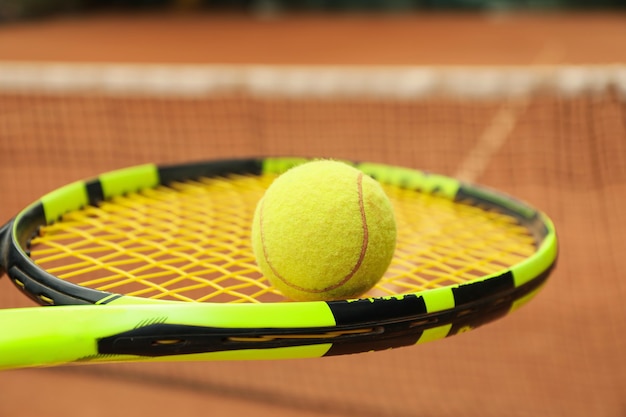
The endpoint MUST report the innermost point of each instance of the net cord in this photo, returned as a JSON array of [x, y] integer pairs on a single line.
[[406, 82]]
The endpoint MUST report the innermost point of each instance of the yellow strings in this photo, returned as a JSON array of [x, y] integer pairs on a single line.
[[191, 242]]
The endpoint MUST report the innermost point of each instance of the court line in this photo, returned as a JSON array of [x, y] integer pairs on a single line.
[[500, 128]]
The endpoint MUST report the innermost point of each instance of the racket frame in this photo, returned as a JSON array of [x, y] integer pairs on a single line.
[[339, 327]]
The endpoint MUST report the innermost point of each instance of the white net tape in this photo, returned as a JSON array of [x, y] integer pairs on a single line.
[[322, 81]]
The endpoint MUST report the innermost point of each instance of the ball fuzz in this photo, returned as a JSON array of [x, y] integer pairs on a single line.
[[324, 231]]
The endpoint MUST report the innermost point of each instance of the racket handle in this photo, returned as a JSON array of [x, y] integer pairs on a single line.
[[47, 336], [44, 336]]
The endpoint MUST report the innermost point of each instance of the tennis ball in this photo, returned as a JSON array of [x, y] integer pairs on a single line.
[[324, 231]]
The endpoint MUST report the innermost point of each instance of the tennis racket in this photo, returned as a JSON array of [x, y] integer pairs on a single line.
[[155, 263]]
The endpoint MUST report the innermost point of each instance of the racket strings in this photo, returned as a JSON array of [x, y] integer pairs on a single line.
[[191, 242]]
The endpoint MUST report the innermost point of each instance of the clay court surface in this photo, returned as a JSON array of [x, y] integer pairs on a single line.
[[441, 39], [562, 355]]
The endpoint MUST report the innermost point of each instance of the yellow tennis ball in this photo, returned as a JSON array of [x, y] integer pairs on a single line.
[[324, 231]]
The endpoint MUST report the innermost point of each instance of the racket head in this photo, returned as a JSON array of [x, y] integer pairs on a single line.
[[402, 315]]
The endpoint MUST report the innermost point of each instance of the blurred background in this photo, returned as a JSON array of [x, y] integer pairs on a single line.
[[525, 96], [20, 9]]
